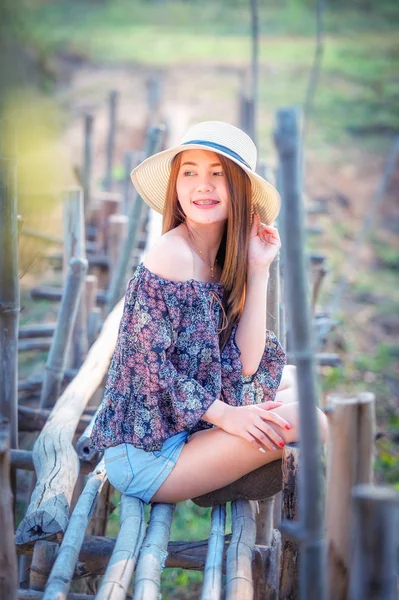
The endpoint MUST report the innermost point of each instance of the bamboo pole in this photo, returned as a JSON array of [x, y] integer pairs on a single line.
[[37, 330], [124, 558], [97, 550], [239, 581], [8, 558], [254, 70], [33, 595], [23, 460], [375, 530], [75, 247], [147, 580], [61, 574], [289, 571], [83, 448], [350, 462], [9, 298], [136, 214], [34, 419], [310, 529], [55, 459], [113, 100], [212, 586], [56, 362], [33, 383], [87, 161]]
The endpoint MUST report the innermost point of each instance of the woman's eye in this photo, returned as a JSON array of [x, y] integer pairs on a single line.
[[187, 173], [219, 173]]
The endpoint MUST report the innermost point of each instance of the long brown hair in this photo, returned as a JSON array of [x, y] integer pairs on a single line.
[[233, 249]]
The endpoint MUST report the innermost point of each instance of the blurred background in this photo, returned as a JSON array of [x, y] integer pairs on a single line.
[[59, 60]]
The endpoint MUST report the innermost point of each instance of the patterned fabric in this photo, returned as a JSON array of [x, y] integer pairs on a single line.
[[167, 368]]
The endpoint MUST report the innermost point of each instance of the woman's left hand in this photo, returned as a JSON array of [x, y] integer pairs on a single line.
[[264, 244]]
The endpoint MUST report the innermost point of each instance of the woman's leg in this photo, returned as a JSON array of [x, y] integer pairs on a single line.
[[213, 458]]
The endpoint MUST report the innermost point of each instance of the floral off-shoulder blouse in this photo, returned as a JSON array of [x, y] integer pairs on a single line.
[[167, 368]]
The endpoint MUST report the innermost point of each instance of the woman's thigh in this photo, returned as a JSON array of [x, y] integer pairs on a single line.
[[214, 458]]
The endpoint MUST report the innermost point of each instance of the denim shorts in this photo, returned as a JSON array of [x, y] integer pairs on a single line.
[[135, 472]]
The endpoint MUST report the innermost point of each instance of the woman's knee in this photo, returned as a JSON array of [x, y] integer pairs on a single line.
[[288, 377], [290, 412]]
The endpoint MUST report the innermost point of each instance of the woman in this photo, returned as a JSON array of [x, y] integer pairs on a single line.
[[195, 396]]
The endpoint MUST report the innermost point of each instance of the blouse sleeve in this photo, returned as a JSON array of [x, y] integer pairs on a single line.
[[239, 389], [159, 385]]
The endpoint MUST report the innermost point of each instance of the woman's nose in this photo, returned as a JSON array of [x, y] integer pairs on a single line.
[[204, 184]]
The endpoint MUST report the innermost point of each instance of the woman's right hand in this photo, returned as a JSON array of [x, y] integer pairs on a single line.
[[253, 424]]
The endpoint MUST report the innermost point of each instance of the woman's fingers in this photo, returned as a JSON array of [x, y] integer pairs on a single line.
[[269, 432], [268, 415], [267, 439]]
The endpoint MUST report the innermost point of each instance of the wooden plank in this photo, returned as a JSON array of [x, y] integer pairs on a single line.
[[239, 580], [124, 558], [212, 586], [55, 459], [62, 572], [147, 580]]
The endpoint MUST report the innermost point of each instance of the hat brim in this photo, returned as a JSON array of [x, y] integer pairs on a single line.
[[151, 177]]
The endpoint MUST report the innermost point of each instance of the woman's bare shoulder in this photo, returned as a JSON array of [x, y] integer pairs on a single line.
[[170, 257]]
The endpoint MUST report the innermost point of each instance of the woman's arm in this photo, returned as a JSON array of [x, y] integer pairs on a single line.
[[251, 330], [264, 243]]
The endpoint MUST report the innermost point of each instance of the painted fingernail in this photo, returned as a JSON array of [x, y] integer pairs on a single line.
[[262, 450], [282, 444], [288, 427]]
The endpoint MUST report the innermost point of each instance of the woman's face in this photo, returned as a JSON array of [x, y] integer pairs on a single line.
[[202, 188]]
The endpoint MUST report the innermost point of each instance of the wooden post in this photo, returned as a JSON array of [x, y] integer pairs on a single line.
[[8, 558], [311, 528], [113, 99], [266, 569], [239, 581], [87, 161], [110, 204], [375, 535], [56, 362], [115, 292], [212, 586], [9, 298], [264, 522], [124, 558], [44, 555], [289, 573], [55, 459], [118, 226], [350, 462]]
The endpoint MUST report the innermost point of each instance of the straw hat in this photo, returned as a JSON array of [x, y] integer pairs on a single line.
[[151, 177]]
